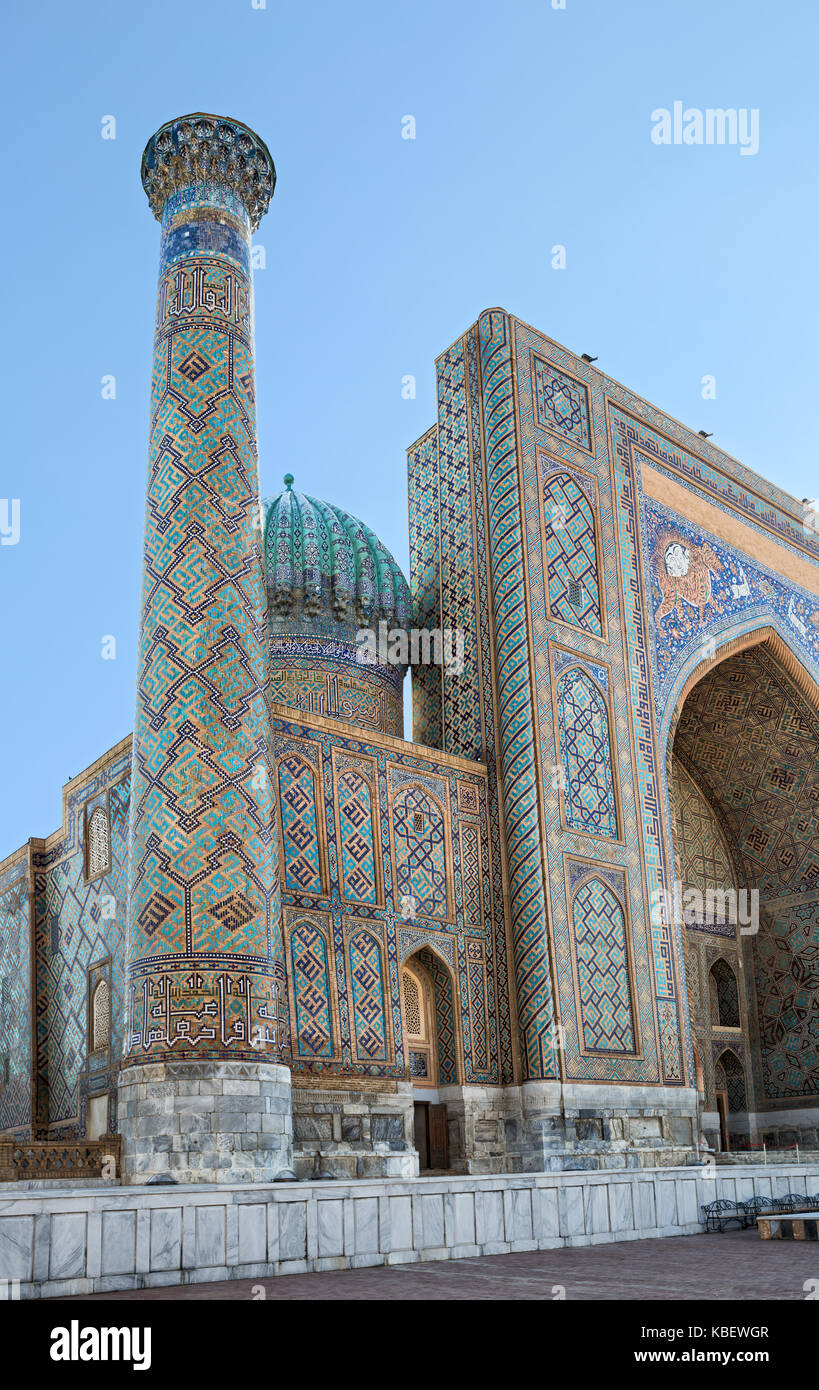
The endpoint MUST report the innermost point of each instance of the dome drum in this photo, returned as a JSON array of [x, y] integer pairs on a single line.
[[328, 579]]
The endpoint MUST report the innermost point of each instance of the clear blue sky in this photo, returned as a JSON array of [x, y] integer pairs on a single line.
[[533, 128]]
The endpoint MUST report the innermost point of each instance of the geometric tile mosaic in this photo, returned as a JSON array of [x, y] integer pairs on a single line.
[[583, 730], [367, 985], [310, 977], [300, 833], [420, 853], [602, 969], [574, 596], [562, 404], [355, 814]]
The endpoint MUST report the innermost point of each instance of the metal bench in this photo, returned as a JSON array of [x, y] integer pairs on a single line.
[[718, 1214], [755, 1207], [722, 1212]]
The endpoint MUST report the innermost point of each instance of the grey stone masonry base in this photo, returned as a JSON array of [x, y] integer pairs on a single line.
[[205, 1122], [354, 1134], [100, 1241]]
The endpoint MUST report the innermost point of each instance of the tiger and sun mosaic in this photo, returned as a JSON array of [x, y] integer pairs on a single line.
[[271, 893]]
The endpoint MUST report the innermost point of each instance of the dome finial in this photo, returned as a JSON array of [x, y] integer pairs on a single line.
[[288, 480]]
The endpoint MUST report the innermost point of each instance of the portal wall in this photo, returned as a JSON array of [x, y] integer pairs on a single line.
[[646, 552], [384, 851], [16, 993], [63, 936]]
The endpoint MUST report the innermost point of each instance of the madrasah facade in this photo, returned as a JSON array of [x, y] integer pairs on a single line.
[[573, 922]]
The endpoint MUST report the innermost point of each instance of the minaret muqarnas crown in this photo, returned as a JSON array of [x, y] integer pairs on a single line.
[[199, 149]]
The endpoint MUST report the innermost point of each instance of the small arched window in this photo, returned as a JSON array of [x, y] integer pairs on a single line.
[[730, 1077], [98, 852], [724, 996], [412, 1006], [101, 1016]]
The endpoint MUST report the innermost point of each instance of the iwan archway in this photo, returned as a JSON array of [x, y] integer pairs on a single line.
[[743, 773], [430, 1051]]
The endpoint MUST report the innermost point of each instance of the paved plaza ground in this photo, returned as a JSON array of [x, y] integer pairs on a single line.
[[736, 1265]]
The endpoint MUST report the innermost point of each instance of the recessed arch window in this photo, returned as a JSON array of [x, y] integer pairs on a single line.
[[98, 843], [729, 1076], [724, 996], [101, 1016], [429, 1020]]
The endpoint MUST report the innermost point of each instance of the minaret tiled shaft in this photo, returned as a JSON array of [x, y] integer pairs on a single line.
[[205, 964]]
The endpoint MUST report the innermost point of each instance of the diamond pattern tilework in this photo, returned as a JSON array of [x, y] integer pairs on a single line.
[[571, 554], [585, 750], [310, 976], [471, 871], [602, 969], [355, 814], [300, 831], [15, 995], [478, 1020]]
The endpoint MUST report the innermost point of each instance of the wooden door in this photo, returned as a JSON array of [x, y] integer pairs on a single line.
[[422, 1135], [722, 1107], [438, 1146]]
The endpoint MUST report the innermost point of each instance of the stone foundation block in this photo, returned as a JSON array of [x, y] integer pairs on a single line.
[[188, 1120]]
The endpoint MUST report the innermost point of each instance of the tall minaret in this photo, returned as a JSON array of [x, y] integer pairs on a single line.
[[204, 1095]]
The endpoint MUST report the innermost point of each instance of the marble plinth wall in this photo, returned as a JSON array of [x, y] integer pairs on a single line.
[[99, 1241]]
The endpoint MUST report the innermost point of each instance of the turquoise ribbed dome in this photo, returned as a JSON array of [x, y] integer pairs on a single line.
[[325, 571]]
